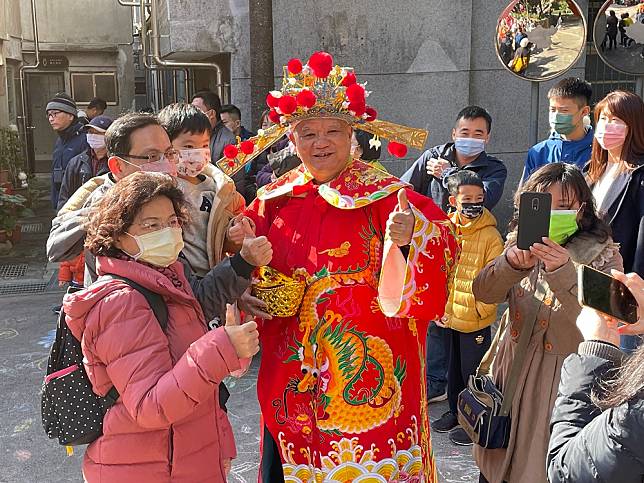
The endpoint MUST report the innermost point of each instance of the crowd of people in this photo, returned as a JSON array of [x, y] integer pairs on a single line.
[[363, 328]]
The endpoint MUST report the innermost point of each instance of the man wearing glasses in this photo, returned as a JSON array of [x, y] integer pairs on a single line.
[[134, 142], [62, 116]]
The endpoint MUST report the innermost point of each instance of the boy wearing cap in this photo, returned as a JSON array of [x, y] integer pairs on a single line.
[[62, 116], [88, 164]]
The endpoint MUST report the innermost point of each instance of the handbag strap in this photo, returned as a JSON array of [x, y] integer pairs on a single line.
[[519, 353]]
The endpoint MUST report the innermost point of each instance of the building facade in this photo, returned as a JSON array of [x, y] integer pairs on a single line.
[[423, 61], [85, 49]]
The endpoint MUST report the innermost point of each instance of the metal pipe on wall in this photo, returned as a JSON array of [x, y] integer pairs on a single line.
[[128, 4], [23, 68], [169, 64]]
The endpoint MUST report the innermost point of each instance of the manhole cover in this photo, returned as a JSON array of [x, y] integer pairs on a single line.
[[13, 271], [23, 288], [33, 228]]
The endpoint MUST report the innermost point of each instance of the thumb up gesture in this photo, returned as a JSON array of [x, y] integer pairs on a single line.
[[242, 227], [400, 225], [244, 337]]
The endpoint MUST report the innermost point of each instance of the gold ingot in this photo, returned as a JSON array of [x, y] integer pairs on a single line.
[[282, 294]]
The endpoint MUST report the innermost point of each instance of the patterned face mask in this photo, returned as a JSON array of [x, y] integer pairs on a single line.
[[471, 210], [193, 161]]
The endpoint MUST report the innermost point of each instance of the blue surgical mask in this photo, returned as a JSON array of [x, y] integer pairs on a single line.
[[469, 147]]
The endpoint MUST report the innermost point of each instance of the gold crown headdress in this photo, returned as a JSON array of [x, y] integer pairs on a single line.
[[319, 89]]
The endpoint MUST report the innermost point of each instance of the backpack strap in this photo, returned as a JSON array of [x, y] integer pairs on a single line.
[[155, 300], [160, 310]]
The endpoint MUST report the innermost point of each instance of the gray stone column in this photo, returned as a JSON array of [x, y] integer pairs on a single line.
[[261, 55]]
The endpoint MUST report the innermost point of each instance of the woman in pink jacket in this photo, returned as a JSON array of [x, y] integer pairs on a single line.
[[167, 425]]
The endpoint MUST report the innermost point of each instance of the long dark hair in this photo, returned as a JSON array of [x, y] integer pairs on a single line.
[[629, 383], [574, 186], [629, 108]]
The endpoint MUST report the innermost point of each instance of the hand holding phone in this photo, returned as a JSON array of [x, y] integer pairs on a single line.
[[636, 285], [607, 295], [534, 218]]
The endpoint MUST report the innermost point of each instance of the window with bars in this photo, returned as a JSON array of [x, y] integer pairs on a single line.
[[603, 78], [87, 85]]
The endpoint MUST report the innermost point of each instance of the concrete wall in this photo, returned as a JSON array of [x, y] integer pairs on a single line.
[[423, 61], [221, 26]]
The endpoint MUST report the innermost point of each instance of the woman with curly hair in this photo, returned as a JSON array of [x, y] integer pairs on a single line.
[[167, 424]]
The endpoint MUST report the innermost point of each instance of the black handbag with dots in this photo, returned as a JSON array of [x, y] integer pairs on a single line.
[[70, 410]]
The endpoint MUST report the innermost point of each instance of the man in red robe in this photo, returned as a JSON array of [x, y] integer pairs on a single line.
[[342, 381]]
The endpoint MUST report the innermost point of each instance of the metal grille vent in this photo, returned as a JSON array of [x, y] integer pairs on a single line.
[[23, 288], [33, 228], [13, 271]]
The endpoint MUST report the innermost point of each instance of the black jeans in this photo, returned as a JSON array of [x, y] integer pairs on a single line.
[[465, 354]]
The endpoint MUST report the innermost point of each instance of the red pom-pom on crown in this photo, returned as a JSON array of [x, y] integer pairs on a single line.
[[294, 66], [271, 100], [321, 64], [398, 150], [305, 98], [231, 151], [348, 79], [247, 147]]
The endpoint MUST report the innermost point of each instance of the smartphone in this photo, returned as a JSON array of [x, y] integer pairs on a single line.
[[606, 295], [534, 218]]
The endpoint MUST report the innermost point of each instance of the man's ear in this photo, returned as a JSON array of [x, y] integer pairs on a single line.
[[452, 200], [453, 134]]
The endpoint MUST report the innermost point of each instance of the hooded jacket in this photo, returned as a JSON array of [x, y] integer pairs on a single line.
[[586, 444], [166, 425], [480, 243]]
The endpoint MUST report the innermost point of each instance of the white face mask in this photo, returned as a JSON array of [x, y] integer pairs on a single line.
[[96, 141], [193, 161], [160, 248]]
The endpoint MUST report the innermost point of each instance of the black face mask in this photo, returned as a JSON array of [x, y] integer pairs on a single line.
[[471, 210]]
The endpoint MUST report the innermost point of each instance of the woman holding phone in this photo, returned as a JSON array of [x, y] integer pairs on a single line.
[[577, 236], [616, 176], [598, 417]]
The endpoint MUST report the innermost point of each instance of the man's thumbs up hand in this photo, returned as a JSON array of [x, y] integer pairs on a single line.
[[400, 225]]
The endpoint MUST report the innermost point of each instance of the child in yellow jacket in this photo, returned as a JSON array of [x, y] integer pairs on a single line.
[[467, 320]]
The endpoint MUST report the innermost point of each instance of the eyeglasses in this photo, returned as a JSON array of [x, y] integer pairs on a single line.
[[53, 114], [170, 154], [152, 226]]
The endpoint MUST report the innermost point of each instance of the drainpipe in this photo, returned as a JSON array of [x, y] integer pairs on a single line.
[[128, 4], [156, 49], [22, 70]]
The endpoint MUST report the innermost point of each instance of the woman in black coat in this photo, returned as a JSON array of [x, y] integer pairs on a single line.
[[598, 419], [616, 175]]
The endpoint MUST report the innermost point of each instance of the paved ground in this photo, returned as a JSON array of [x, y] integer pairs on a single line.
[[26, 330]]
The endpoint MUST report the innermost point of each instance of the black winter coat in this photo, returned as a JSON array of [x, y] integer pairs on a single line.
[[586, 444], [491, 170], [627, 223]]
